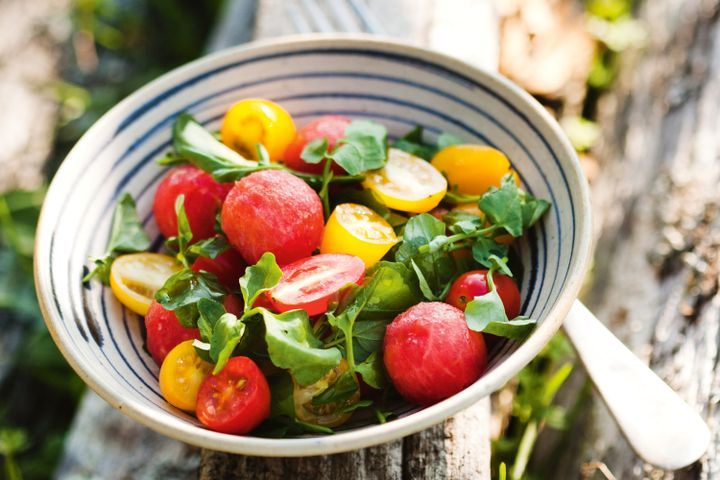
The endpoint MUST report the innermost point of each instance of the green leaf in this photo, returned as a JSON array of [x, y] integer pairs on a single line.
[[516, 329], [101, 269], [259, 278], [209, 247], [185, 234], [447, 139], [420, 230], [352, 407], [367, 128], [281, 395], [484, 248], [315, 151], [186, 288], [262, 154], [363, 148], [368, 337], [503, 206], [292, 346], [371, 371], [209, 312], [484, 310], [396, 293], [424, 285], [170, 159], [412, 142], [532, 210], [344, 388], [227, 333]]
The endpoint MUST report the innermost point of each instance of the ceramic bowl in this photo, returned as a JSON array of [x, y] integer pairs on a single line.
[[360, 77]]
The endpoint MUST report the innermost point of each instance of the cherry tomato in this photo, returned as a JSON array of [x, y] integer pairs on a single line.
[[472, 169], [326, 415], [407, 183], [356, 230], [181, 374], [273, 211], [430, 353], [228, 267], [311, 283], [236, 400], [474, 284], [252, 121], [330, 127], [203, 198], [165, 332], [135, 277]]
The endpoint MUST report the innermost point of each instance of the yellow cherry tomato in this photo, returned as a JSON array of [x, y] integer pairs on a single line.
[[134, 278], [326, 415], [254, 121], [356, 230], [407, 183], [472, 169], [181, 374]]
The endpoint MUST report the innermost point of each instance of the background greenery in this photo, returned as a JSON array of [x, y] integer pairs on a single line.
[[135, 41]]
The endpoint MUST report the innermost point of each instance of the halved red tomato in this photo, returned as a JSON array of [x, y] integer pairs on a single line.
[[311, 283], [236, 400]]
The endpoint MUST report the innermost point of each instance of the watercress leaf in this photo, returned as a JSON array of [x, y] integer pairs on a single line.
[[170, 159], [101, 269], [227, 333], [367, 128], [185, 235], [415, 135], [447, 139], [292, 346], [371, 371], [202, 349], [209, 312], [484, 310], [127, 234], [184, 289], [315, 151], [281, 395], [500, 264], [359, 154], [458, 198], [423, 283], [354, 406], [262, 154], [258, 278], [459, 221], [533, 209], [419, 230], [503, 206], [484, 248], [426, 152], [187, 315], [341, 391], [396, 293], [368, 337], [516, 329], [209, 247]]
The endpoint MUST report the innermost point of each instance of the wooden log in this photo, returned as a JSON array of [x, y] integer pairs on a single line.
[[657, 217]]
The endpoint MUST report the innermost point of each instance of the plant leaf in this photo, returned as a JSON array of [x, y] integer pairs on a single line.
[[186, 288], [484, 248], [371, 371], [259, 278], [227, 333], [209, 247], [447, 139], [315, 151], [503, 206]]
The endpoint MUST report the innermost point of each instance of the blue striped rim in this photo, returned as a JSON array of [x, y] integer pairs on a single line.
[[138, 112]]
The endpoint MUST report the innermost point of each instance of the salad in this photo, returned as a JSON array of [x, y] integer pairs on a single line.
[[313, 275]]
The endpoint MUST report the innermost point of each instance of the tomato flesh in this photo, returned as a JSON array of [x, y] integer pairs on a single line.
[[474, 284], [311, 283], [273, 211], [181, 374], [330, 127], [236, 400], [228, 267], [203, 198], [430, 353]]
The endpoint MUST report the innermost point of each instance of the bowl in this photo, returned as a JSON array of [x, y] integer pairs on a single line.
[[357, 76]]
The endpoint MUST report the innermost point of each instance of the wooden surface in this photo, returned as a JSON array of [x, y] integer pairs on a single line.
[[657, 206]]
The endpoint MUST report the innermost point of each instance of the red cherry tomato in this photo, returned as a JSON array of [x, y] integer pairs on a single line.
[[474, 284], [236, 400], [331, 127], [165, 332], [311, 283], [430, 353], [273, 211], [228, 267], [203, 198]]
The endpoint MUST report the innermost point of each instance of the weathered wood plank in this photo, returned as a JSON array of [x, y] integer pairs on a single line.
[[658, 223]]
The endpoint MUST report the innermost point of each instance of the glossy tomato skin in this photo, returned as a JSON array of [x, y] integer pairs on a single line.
[[273, 211], [228, 267], [430, 353], [236, 400], [203, 198], [331, 127], [312, 283], [474, 284], [165, 332]]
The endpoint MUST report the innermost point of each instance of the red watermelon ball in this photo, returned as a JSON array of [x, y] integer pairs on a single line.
[[273, 211], [430, 353]]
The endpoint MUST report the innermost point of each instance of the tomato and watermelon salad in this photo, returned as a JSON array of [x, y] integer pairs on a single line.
[[310, 274]]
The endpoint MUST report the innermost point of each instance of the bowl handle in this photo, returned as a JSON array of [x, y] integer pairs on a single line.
[[661, 428]]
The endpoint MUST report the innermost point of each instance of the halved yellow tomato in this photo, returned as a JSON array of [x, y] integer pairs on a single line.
[[326, 415], [181, 374], [252, 121], [472, 169], [407, 183], [357, 230], [134, 278]]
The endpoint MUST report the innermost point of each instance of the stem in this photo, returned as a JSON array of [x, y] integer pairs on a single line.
[[458, 237], [327, 176], [524, 450], [317, 179], [350, 354]]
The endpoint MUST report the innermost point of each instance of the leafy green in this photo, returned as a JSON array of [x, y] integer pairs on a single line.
[[412, 142], [420, 230], [184, 289], [367, 337], [363, 148], [315, 151], [126, 236], [396, 291], [209, 311], [511, 208], [209, 247], [259, 278], [292, 346], [484, 248], [228, 330], [344, 388], [371, 371], [447, 139]]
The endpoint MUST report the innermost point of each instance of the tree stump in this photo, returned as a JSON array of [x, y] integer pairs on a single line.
[[657, 216]]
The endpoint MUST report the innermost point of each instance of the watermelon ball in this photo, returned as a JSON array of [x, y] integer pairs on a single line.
[[203, 198], [430, 353], [273, 211]]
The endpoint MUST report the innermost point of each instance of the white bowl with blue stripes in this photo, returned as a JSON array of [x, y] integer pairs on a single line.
[[360, 77]]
